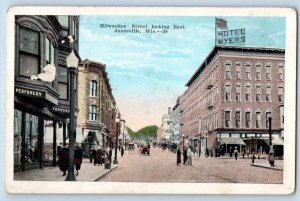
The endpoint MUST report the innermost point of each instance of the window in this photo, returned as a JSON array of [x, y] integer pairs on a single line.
[[280, 72], [248, 119], [93, 88], [238, 119], [29, 56], [227, 119], [227, 71], [74, 29], [238, 71], [268, 115], [93, 113], [268, 94], [248, 93], [258, 119], [258, 94], [227, 93], [280, 94], [258, 72], [63, 20], [248, 72], [268, 72], [238, 93], [62, 77], [49, 52]]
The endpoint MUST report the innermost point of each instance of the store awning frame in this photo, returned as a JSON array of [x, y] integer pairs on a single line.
[[232, 140]]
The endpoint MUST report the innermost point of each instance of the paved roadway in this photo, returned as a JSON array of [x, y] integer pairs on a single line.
[[161, 166]]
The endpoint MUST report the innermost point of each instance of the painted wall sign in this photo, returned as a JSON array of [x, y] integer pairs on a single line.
[[234, 37]]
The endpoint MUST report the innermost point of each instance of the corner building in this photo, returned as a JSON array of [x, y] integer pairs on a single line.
[[230, 98]]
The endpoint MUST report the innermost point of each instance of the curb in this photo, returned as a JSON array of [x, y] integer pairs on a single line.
[[272, 168], [106, 173]]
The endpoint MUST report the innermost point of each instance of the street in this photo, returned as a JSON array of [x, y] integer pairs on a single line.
[[161, 166]]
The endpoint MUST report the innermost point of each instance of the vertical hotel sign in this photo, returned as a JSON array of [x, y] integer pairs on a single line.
[[233, 37]]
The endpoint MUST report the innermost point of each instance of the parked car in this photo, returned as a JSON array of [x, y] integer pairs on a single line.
[[131, 146]]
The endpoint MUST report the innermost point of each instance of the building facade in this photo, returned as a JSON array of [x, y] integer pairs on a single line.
[[167, 126], [231, 97], [175, 116], [97, 116], [42, 97]]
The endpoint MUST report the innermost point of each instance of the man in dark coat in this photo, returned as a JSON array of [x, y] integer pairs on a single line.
[[184, 155], [122, 151], [94, 154], [63, 159], [78, 153], [178, 156]]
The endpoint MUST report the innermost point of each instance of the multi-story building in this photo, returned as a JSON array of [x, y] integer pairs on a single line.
[[230, 98], [167, 126], [42, 97], [175, 116], [96, 122]]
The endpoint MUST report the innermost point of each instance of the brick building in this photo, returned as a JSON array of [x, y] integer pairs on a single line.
[[230, 97], [96, 122]]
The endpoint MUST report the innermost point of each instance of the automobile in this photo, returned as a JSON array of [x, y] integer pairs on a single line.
[[131, 146], [145, 150]]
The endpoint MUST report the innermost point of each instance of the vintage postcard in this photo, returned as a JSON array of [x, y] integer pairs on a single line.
[[136, 100]]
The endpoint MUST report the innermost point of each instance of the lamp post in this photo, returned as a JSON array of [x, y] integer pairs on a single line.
[[72, 63], [117, 135], [270, 131]]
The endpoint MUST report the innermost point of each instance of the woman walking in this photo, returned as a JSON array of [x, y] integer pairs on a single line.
[[63, 159], [78, 153]]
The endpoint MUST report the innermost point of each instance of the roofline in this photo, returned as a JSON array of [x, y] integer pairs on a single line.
[[216, 48]]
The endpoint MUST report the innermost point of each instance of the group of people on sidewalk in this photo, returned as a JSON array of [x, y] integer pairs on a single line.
[[63, 158], [187, 156], [100, 156]]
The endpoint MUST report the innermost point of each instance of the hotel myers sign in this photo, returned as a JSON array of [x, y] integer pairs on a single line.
[[234, 37], [29, 92]]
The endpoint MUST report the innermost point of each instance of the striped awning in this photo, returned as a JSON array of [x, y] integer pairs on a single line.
[[232, 140]]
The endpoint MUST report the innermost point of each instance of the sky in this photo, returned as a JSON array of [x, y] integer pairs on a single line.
[[148, 71]]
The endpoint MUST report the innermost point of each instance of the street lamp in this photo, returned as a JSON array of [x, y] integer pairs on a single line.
[[117, 134], [72, 63]]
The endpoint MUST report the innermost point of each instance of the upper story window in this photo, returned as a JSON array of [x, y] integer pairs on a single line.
[[280, 94], [248, 119], [268, 93], [238, 93], [258, 72], [268, 115], [93, 88], [63, 20], [237, 119], [227, 119], [227, 71], [258, 119], [258, 93], [227, 93], [248, 93], [268, 72], [62, 78], [29, 52], [238, 71], [49, 52], [248, 72], [93, 116], [280, 72]]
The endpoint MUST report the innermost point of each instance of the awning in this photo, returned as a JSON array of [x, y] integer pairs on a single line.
[[232, 140], [275, 142]]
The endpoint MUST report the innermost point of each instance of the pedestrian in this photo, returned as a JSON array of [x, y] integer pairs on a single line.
[[184, 155], [122, 151], [91, 155], [248, 153], [109, 154], [189, 156], [78, 153], [230, 152], [63, 159], [272, 156], [206, 153], [253, 157], [99, 156], [243, 152], [178, 156], [94, 154], [236, 153]]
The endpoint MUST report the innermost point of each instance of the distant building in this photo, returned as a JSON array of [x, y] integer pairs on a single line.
[[159, 134], [167, 126], [175, 117], [230, 98]]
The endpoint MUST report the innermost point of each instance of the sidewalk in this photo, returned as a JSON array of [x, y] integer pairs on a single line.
[[88, 172], [265, 164]]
